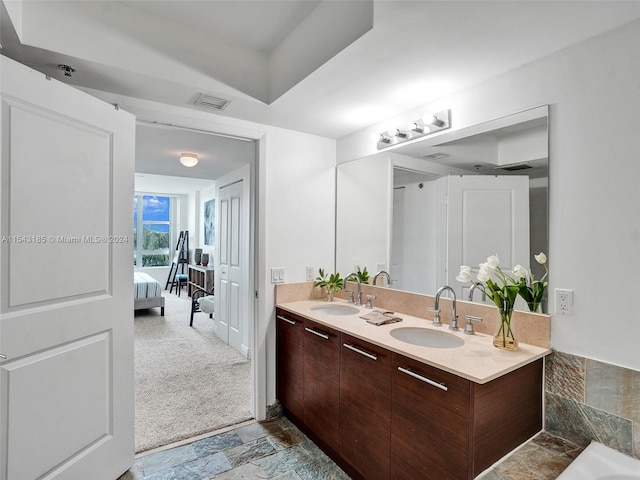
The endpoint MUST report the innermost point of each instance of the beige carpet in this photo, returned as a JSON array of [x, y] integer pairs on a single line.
[[188, 381]]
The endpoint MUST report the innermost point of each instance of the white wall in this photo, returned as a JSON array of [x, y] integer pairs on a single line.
[[594, 98], [364, 214], [414, 237]]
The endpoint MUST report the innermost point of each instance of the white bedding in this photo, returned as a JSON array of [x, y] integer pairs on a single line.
[[145, 286]]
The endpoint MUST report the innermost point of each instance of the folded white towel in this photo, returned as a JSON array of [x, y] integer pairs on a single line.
[[378, 317]]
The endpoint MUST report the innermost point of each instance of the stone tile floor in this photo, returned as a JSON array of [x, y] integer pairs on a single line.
[[276, 449], [545, 457]]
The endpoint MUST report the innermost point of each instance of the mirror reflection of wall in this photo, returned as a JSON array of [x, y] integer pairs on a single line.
[[414, 231], [392, 209]]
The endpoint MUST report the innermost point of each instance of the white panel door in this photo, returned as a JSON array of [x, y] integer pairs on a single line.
[[231, 264], [66, 282], [486, 215], [222, 270], [233, 300]]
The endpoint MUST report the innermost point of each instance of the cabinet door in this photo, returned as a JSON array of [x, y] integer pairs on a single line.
[[321, 383], [429, 423], [290, 362], [365, 407]]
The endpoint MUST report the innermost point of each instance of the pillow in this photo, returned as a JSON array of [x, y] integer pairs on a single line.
[[207, 303]]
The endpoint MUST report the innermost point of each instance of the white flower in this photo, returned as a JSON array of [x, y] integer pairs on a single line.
[[465, 274], [494, 261], [487, 268], [520, 272], [484, 274], [541, 258]]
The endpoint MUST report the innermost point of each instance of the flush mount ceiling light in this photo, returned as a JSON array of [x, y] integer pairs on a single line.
[[189, 159], [428, 124]]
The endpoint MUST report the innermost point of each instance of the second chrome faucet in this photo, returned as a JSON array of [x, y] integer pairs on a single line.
[[358, 300], [436, 308]]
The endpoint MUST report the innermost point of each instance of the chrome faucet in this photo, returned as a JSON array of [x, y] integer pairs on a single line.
[[359, 292], [436, 308], [473, 289], [380, 274]]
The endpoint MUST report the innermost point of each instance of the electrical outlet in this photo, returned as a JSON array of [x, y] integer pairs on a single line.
[[564, 301], [311, 274], [381, 266]]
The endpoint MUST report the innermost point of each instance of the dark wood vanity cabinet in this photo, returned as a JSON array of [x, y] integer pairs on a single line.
[[429, 426], [322, 384], [365, 407], [382, 415], [445, 427]]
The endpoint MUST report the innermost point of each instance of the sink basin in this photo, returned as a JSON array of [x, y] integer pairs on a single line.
[[426, 337], [335, 309]]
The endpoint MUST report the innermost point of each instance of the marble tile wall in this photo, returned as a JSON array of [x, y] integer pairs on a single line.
[[591, 400]]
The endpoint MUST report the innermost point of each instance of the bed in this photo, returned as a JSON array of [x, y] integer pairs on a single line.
[[147, 292]]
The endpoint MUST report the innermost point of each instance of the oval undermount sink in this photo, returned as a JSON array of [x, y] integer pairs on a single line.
[[426, 337], [335, 309]]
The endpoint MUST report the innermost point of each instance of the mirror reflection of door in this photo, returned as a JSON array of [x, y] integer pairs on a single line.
[[442, 223], [486, 215]]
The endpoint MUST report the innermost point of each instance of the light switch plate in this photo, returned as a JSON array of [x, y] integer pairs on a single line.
[[311, 274], [277, 275]]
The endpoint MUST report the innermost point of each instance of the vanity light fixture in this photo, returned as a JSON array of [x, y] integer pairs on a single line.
[[428, 124], [396, 132], [189, 159], [381, 138]]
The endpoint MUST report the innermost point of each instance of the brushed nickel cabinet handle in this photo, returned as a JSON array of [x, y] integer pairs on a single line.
[[361, 352], [441, 386], [3, 357], [322, 335], [285, 319]]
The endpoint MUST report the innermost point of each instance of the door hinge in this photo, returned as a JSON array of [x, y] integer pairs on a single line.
[[256, 293]]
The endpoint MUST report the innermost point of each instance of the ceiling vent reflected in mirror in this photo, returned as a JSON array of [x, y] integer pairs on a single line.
[[515, 168], [436, 155], [209, 101]]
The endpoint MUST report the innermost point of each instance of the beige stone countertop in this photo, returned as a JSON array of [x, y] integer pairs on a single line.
[[477, 360]]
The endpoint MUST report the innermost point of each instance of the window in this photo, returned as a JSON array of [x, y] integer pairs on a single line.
[[152, 217]]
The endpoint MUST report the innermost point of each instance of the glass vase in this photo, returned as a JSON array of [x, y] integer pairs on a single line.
[[330, 293], [504, 337]]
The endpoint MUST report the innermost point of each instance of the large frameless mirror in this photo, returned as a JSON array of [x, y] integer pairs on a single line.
[[421, 210]]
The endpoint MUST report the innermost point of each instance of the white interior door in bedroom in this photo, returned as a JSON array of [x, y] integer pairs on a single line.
[[66, 282], [232, 269]]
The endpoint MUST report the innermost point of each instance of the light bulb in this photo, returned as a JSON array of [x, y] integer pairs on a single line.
[[431, 119], [415, 127]]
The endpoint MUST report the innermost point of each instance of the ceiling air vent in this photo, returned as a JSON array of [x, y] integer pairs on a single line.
[[437, 155], [515, 168], [209, 101]]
